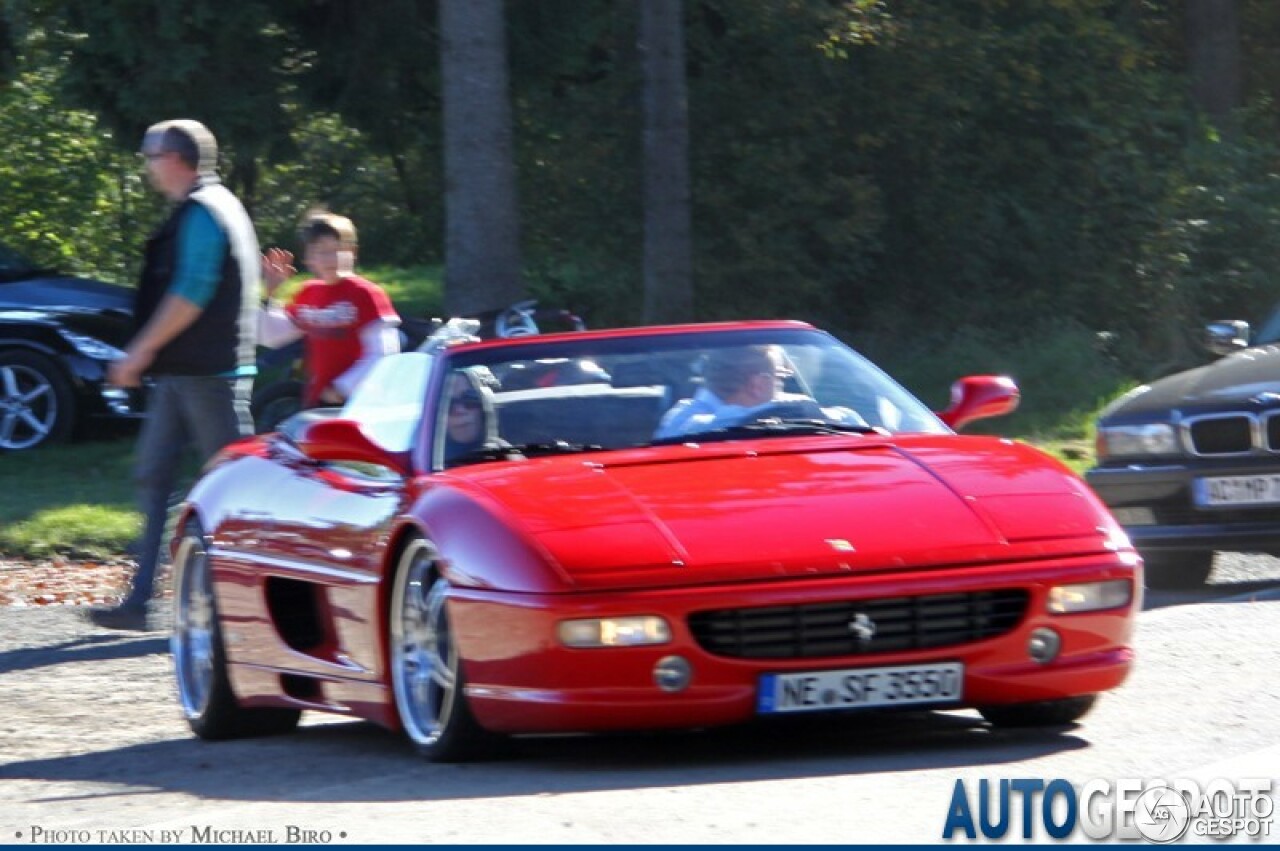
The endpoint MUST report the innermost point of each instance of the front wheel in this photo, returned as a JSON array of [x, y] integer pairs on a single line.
[[37, 405], [426, 668], [200, 660], [1043, 713]]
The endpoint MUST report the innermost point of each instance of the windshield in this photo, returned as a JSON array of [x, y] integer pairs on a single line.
[[612, 393]]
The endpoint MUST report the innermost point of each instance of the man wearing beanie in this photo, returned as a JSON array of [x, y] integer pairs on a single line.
[[195, 314]]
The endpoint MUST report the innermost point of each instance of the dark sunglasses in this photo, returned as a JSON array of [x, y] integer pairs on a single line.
[[469, 401]]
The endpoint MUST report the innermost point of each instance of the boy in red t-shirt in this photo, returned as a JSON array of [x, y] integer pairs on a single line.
[[346, 321]]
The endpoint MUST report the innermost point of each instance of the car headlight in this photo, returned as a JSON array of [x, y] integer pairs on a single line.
[[1136, 441], [1089, 596], [91, 347], [615, 632]]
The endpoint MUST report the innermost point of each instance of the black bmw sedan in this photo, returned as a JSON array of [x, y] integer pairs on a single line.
[[1190, 464], [57, 335]]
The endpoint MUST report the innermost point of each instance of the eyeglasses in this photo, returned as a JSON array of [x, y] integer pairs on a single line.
[[152, 155], [467, 401]]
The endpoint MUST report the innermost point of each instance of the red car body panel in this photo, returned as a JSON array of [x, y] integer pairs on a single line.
[[663, 530]]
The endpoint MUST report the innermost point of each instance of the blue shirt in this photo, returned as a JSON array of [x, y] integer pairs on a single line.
[[201, 247], [706, 412]]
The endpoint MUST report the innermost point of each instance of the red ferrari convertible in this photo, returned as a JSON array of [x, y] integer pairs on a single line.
[[650, 527]]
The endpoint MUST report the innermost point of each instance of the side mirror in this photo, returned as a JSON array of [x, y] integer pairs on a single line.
[[343, 440], [977, 397], [1226, 336]]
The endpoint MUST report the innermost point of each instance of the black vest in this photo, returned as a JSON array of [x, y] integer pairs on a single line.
[[223, 336]]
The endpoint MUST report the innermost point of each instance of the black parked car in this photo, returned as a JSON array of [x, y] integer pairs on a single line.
[[57, 335], [1190, 464]]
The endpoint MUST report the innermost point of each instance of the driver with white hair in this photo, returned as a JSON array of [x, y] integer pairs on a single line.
[[741, 382]]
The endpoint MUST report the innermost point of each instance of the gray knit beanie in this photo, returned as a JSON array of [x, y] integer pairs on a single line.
[[190, 140]]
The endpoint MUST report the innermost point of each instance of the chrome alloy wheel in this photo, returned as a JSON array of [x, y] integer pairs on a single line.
[[28, 406], [192, 642], [424, 658]]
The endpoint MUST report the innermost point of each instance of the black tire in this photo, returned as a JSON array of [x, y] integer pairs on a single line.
[[200, 660], [37, 405], [426, 668], [1178, 571], [1043, 713], [275, 403]]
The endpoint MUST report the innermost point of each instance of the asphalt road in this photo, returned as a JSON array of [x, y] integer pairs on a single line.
[[92, 749]]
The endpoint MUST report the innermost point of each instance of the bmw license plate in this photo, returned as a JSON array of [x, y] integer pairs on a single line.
[[859, 688], [1238, 490]]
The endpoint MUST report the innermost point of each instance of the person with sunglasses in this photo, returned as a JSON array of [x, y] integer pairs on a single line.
[[470, 421], [196, 312]]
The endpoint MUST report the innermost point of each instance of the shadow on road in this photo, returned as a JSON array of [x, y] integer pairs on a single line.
[[91, 648], [1214, 592], [355, 761]]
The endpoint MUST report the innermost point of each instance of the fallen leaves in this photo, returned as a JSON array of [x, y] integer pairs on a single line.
[[63, 582]]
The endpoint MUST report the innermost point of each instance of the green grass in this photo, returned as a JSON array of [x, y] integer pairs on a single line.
[[74, 499], [416, 291]]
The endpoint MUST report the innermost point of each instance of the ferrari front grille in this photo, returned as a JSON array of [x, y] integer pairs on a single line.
[[856, 627]]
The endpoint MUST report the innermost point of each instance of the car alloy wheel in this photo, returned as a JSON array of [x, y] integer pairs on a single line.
[[193, 625], [426, 669], [35, 402], [200, 659]]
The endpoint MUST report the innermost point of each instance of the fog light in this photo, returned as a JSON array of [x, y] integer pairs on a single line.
[[1134, 516], [1044, 645], [614, 632], [1089, 596], [672, 673]]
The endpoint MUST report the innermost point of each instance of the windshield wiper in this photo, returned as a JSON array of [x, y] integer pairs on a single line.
[[522, 450], [769, 427]]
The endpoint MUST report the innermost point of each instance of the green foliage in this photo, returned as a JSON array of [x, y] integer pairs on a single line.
[[1214, 251], [1065, 372], [416, 291], [71, 199], [908, 169]]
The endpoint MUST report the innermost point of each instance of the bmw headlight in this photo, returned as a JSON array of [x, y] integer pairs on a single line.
[[1137, 441], [91, 347]]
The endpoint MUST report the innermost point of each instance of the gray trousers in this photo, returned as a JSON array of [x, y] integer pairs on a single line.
[[207, 411]]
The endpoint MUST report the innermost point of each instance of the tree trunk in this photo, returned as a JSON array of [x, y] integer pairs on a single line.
[[482, 227], [668, 273], [1213, 57]]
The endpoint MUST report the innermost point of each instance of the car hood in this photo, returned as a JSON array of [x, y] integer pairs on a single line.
[[793, 507], [95, 308], [65, 294], [1231, 382]]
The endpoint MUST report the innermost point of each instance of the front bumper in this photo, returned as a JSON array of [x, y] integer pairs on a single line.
[[521, 680], [1178, 523]]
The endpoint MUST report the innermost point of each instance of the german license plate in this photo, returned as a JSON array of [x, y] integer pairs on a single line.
[[1238, 490], [859, 688]]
